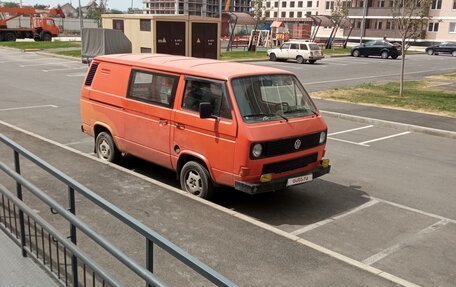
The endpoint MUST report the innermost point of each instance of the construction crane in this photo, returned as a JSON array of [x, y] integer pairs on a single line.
[[41, 28]]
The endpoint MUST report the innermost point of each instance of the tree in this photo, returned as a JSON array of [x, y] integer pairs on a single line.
[[115, 11], [11, 5], [259, 9], [410, 18], [40, 6], [338, 14]]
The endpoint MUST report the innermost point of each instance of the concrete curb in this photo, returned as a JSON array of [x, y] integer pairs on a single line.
[[59, 56], [397, 125]]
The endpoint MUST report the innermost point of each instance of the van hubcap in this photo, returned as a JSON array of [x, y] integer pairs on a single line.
[[105, 150], [193, 182]]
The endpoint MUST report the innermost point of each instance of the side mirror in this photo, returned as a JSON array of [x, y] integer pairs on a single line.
[[206, 110]]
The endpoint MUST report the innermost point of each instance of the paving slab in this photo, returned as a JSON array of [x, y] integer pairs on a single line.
[[245, 253], [19, 271]]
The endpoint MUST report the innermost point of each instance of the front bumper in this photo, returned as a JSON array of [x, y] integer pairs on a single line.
[[277, 184]]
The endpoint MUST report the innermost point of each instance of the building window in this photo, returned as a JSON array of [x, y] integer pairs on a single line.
[[283, 15], [378, 25], [268, 4], [118, 25], [454, 4], [152, 88], [284, 4], [436, 4], [433, 27], [452, 27], [308, 13], [291, 15], [309, 4], [381, 3], [329, 5], [292, 4], [390, 24], [144, 25], [275, 14], [299, 15], [301, 2], [318, 3], [276, 4]]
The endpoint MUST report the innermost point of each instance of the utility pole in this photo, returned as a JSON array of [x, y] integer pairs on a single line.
[[363, 23]]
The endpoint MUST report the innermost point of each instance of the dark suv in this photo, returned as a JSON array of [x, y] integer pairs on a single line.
[[380, 48], [445, 47]]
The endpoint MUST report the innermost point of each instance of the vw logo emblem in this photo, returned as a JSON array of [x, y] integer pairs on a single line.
[[297, 144]]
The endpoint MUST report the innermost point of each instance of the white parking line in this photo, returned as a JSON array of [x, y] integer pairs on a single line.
[[334, 218], [384, 138], [79, 142], [64, 69], [29, 107], [390, 250], [43, 64], [259, 224], [351, 130], [350, 142], [77, 75], [379, 76]]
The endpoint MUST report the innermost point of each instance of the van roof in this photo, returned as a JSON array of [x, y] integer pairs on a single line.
[[215, 69]]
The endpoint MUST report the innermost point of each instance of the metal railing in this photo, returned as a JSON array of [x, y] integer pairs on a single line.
[[46, 244]]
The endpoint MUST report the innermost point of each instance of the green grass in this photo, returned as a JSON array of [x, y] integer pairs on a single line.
[[72, 53], [40, 45], [426, 95], [337, 51], [238, 55]]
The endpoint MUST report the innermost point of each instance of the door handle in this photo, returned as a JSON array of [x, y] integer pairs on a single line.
[[163, 122], [180, 126]]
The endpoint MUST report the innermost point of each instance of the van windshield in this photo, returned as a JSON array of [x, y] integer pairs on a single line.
[[271, 97]]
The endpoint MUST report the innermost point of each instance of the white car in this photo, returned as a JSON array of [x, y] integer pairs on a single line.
[[297, 50]]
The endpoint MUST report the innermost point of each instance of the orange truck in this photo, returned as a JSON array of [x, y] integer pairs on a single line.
[[40, 26], [215, 123]]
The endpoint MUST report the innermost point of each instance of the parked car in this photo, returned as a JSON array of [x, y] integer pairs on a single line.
[[445, 47], [297, 50], [380, 48]]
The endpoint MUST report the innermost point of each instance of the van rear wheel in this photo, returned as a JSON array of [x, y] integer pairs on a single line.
[[195, 179], [106, 148], [272, 57], [300, 59]]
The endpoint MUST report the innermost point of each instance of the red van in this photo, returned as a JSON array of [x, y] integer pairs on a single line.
[[213, 122]]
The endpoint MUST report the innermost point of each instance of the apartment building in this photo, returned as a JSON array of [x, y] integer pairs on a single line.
[[379, 21], [204, 8]]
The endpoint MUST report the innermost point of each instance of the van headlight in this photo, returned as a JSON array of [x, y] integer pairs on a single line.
[[257, 150], [322, 137]]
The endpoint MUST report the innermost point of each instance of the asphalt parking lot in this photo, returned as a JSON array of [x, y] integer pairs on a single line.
[[389, 202]]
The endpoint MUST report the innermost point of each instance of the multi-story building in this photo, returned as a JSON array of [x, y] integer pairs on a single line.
[[205, 8], [291, 8], [379, 21]]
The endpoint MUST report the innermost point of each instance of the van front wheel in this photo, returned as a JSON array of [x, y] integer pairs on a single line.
[[106, 148], [195, 179]]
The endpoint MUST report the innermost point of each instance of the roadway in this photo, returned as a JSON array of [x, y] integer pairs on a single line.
[[389, 202]]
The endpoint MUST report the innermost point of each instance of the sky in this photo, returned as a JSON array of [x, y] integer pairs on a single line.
[[112, 4]]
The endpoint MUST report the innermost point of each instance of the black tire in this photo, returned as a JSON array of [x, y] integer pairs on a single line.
[[384, 55], [195, 179], [356, 53], [453, 54], [430, 52], [10, 37], [312, 61], [105, 148], [272, 57], [394, 57], [46, 37], [300, 59]]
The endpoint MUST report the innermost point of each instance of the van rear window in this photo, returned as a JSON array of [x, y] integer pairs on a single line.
[[91, 74], [152, 88]]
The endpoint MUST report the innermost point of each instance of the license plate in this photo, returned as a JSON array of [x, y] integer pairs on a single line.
[[299, 179]]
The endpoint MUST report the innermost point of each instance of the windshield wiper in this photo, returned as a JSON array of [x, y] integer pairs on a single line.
[[266, 115], [300, 110]]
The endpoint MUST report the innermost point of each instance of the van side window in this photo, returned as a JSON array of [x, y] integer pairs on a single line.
[[303, 47], [152, 88], [198, 91]]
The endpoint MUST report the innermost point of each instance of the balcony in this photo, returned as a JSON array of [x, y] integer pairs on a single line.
[[371, 11]]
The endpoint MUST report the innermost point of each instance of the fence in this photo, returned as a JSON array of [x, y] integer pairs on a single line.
[[68, 24], [46, 244]]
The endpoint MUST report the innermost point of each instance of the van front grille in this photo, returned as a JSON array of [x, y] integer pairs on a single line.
[[285, 146], [283, 166]]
